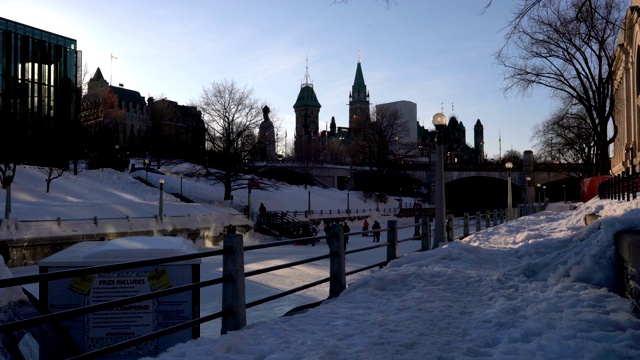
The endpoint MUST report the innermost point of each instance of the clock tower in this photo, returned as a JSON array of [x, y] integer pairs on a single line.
[[358, 102], [307, 109]]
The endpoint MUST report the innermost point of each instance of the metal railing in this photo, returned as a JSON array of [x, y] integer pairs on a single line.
[[234, 305], [623, 186]]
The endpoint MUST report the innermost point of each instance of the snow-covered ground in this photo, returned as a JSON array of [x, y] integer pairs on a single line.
[[112, 196], [535, 288]]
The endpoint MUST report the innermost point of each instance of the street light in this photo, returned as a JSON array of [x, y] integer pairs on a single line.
[[7, 204], [160, 202], [538, 206], [146, 170], [564, 194], [181, 176], [439, 120], [348, 194], [544, 193], [509, 166], [528, 195]]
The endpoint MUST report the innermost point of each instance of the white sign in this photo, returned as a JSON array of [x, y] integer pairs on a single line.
[[126, 320]]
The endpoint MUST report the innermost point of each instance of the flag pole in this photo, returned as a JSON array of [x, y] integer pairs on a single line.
[[111, 71]]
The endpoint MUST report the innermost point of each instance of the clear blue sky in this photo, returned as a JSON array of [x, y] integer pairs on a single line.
[[435, 53]]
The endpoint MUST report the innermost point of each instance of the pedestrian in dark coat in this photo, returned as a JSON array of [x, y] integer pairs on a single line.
[[365, 227], [262, 214], [345, 230], [376, 234]]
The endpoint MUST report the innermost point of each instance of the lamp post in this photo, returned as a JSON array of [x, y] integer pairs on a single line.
[[538, 207], [181, 176], [439, 120], [146, 170], [509, 166], [348, 195], [160, 202], [544, 193], [528, 200], [7, 205], [564, 194]]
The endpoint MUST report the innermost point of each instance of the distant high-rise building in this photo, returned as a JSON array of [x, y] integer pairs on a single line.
[[408, 117]]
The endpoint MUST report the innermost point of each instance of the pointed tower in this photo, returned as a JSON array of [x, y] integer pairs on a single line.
[[478, 140], [97, 82], [358, 101], [307, 109]]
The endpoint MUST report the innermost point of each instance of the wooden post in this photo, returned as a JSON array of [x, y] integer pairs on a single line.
[[488, 219], [495, 217], [465, 230], [478, 221], [426, 234], [450, 228], [337, 267], [233, 291], [392, 239]]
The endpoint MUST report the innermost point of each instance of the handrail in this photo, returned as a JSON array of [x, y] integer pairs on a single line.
[[337, 255]]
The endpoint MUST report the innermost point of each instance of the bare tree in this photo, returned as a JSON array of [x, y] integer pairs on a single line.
[[567, 47], [567, 138], [232, 116], [384, 141], [513, 156], [51, 174]]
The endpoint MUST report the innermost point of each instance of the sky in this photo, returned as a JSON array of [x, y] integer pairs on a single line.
[[539, 287], [438, 54]]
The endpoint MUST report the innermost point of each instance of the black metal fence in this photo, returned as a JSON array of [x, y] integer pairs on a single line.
[[623, 186]]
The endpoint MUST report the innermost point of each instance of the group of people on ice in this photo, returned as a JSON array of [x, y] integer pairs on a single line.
[[374, 227]]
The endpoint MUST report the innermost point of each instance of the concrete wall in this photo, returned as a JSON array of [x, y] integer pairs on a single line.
[[628, 259]]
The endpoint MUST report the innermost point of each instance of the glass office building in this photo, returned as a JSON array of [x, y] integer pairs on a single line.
[[38, 82]]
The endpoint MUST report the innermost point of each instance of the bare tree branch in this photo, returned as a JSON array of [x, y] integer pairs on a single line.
[[567, 47]]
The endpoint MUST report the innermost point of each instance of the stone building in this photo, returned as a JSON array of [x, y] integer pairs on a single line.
[[359, 114], [120, 118], [455, 147], [626, 92], [307, 109]]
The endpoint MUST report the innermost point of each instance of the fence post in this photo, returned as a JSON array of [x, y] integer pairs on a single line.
[[495, 217], [450, 234], [233, 291], [465, 230], [634, 186], [426, 233], [478, 221], [392, 240], [627, 183], [488, 220], [337, 268]]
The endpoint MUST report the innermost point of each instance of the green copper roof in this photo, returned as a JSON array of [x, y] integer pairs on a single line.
[[359, 89], [306, 97]]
